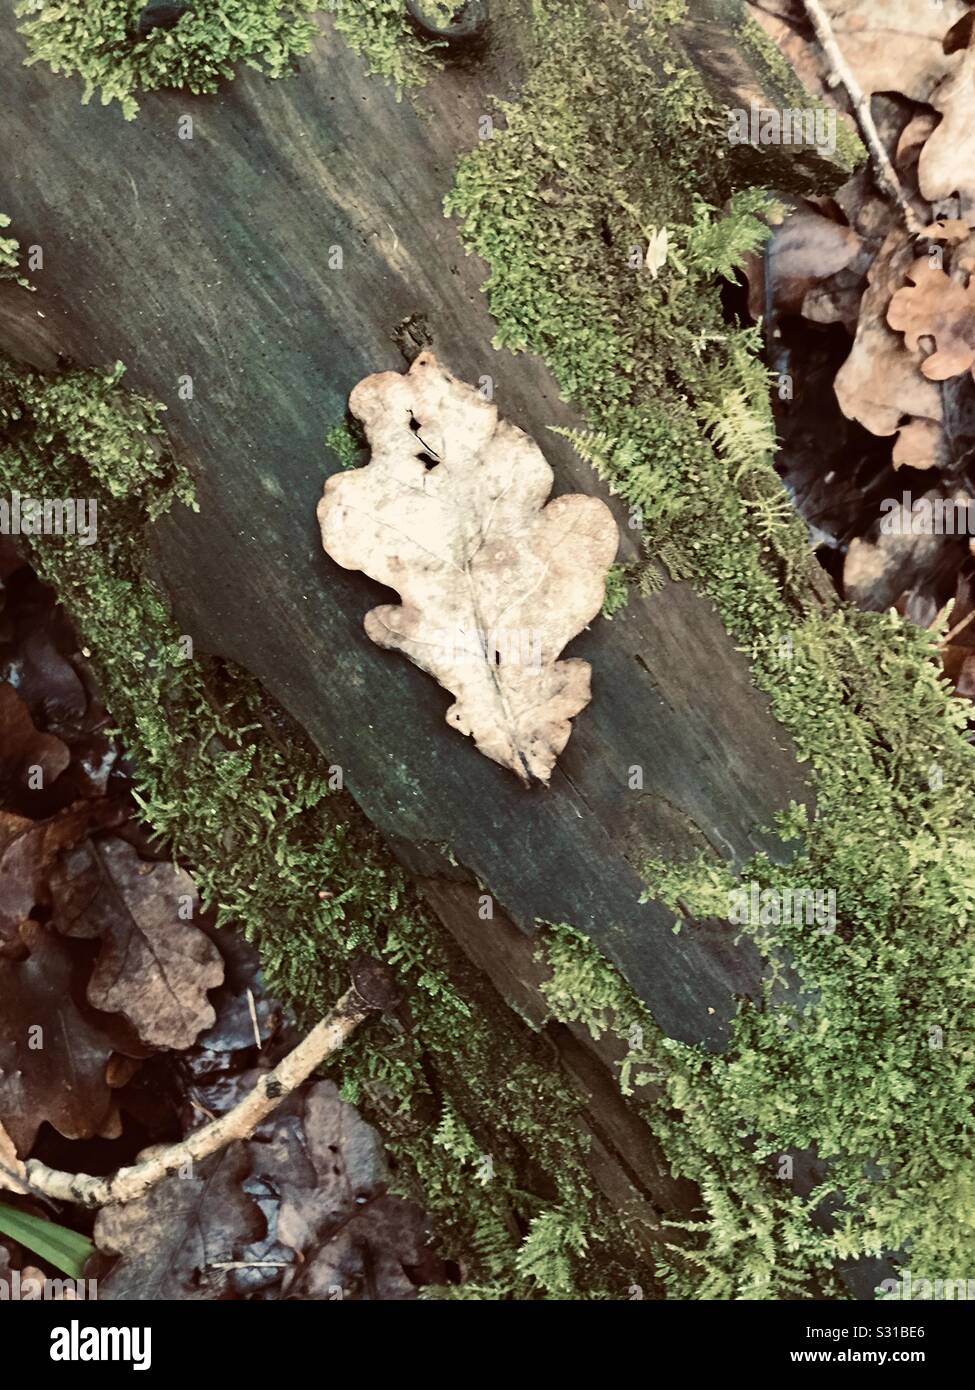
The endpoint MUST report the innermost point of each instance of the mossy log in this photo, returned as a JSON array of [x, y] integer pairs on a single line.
[[208, 258]]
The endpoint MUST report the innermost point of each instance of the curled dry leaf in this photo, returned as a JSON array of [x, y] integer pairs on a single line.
[[451, 512], [910, 143], [935, 306], [155, 966]]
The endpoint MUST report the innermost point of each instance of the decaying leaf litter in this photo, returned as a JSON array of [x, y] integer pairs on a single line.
[[154, 1022], [871, 322]]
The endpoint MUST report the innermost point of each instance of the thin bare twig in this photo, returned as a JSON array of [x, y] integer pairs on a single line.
[[884, 170], [372, 991]]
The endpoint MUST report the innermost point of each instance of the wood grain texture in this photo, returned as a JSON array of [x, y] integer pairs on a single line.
[[210, 258]]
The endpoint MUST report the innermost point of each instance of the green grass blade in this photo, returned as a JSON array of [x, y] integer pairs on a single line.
[[66, 1250]]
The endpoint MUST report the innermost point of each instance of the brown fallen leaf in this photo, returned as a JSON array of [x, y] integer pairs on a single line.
[[383, 1253], [43, 676], [29, 849], [906, 554], [935, 306], [802, 252], [178, 1240], [451, 512], [53, 1055], [910, 143], [345, 1235], [155, 967], [26, 754], [920, 444], [345, 1162], [881, 382], [896, 45], [947, 163]]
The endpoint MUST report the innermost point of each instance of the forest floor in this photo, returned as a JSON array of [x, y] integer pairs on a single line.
[[216, 791]]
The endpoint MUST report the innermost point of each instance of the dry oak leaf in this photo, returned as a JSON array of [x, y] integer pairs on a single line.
[[896, 45], [935, 306], [181, 1239], [451, 513], [62, 1081], [920, 444], [155, 966], [880, 382], [947, 163]]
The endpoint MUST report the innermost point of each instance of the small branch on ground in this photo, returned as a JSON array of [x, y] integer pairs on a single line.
[[372, 991], [884, 170]]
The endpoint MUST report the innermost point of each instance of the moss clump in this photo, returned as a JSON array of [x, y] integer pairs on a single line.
[[390, 44], [9, 253], [754, 1239], [344, 445], [98, 40], [485, 1130], [617, 590], [604, 146]]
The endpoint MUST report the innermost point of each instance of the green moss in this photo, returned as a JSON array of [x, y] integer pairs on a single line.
[[381, 31], [10, 256], [753, 1239], [617, 590], [9, 252], [344, 445], [481, 1125], [877, 1074], [97, 41]]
